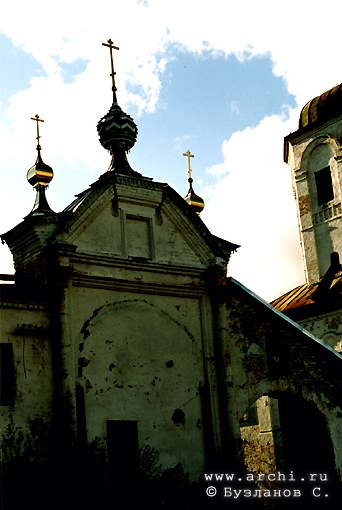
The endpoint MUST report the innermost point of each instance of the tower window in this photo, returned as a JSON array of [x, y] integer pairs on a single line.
[[324, 186]]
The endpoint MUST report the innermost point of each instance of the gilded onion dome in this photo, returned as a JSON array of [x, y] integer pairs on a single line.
[[39, 176], [195, 201], [322, 108]]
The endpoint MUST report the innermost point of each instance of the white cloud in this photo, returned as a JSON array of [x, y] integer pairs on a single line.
[[252, 205]]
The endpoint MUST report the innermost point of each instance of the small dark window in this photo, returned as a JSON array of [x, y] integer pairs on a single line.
[[324, 186], [7, 375]]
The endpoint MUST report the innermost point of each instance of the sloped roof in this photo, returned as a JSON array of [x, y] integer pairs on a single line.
[[295, 298], [314, 298], [310, 299]]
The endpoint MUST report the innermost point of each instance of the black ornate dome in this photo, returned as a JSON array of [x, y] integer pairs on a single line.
[[117, 129]]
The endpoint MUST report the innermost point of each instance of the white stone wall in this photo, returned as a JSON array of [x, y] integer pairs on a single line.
[[327, 327], [140, 358]]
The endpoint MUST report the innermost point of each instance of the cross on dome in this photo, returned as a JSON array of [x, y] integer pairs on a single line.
[[111, 47], [188, 155], [37, 119]]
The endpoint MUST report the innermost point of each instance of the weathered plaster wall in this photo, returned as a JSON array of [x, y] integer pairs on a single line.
[[140, 358], [141, 224], [25, 424], [261, 435], [269, 356], [327, 327], [136, 322]]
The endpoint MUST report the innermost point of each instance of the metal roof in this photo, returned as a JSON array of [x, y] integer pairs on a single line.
[[321, 108], [301, 297]]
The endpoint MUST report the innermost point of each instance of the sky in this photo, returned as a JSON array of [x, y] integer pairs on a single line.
[[224, 79]]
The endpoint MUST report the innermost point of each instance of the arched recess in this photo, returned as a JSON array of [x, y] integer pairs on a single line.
[[325, 146], [284, 432], [319, 165], [137, 363]]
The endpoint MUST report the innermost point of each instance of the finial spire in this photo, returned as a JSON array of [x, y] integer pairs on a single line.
[[193, 200], [111, 47], [39, 176]]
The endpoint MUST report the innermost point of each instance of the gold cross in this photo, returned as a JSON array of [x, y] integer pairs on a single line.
[[37, 119], [188, 155], [111, 46]]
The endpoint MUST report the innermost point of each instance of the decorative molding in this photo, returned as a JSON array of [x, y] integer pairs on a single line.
[[300, 174], [135, 264], [138, 286]]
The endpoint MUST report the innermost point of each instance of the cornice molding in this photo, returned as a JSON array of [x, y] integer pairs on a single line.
[[138, 286]]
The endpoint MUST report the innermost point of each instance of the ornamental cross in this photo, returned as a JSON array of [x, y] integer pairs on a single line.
[[37, 119], [111, 46], [188, 155]]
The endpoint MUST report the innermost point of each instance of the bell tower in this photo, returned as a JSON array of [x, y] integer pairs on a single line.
[[314, 155]]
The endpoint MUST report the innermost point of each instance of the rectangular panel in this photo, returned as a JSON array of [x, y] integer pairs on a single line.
[[138, 237]]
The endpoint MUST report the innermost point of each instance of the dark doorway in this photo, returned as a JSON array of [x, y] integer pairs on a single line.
[[306, 442], [307, 450], [123, 451]]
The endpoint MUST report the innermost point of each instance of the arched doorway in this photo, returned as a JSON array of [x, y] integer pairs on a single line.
[[306, 444], [285, 434]]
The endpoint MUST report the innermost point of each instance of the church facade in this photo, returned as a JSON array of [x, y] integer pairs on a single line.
[[127, 353]]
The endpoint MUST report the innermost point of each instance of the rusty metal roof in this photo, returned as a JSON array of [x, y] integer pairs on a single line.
[[301, 297]]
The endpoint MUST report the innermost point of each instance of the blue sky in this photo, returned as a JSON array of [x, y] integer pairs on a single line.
[[199, 99], [226, 81]]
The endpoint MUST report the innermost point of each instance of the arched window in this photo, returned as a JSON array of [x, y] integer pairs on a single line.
[[321, 174]]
